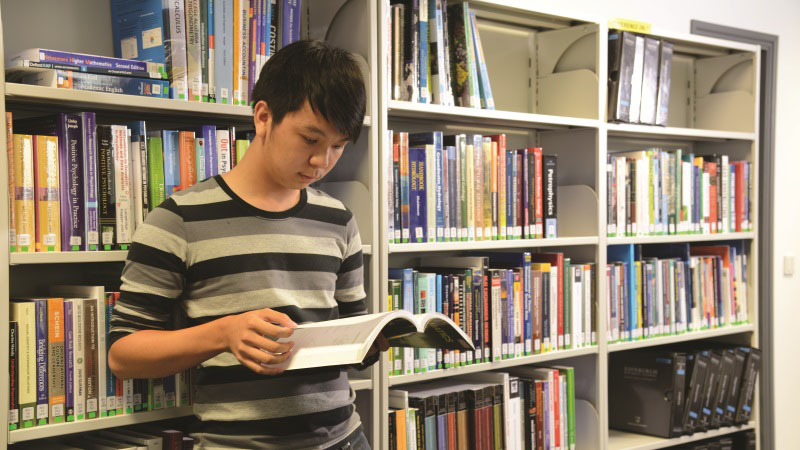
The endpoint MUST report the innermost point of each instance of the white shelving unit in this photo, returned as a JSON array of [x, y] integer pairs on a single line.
[[565, 116]]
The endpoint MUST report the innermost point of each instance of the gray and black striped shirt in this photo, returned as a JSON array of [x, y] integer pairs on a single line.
[[208, 251]]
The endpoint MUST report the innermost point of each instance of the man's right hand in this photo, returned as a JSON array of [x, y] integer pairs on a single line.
[[252, 336]]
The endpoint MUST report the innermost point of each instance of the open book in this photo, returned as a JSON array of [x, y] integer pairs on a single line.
[[347, 341]]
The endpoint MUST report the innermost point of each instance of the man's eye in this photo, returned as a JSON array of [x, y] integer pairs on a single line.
[[339, 146], [309, 141]]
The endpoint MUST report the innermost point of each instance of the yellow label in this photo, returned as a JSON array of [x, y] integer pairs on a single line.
[[630, 25]]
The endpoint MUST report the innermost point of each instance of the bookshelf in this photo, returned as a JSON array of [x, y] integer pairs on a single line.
[[570, 122], [582, 137]]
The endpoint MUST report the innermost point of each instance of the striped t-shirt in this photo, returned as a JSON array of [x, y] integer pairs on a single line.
[[212, 254]]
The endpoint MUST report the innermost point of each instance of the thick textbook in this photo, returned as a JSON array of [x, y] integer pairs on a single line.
[[347, 341]]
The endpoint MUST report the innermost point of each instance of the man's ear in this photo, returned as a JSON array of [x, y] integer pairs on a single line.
[[262, 118]]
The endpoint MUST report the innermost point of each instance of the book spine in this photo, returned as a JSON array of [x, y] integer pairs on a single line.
[[210, 59], [42, 400], [139, 171], [431, 184], [91, 360], [200, 157], [24, 313], [477, 165], [13, 376], [290, 29], [458, 43], [204, 55], [56, 370], [223, 149], [122, 185], [423, 47], [107, 215], [53, 56], [79, 358], [241, 30], [48, 220], [223, 51], [194, 51], [10, 156], [89, 125], [252, 58], [175, 49], [21, 67], [440, 171], [487, 99], [172, 171], [211, 163], [72, 184], [274, 29], [549, 190]]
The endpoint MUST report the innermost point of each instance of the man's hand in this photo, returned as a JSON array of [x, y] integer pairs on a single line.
[[252, 336], [380, 344]]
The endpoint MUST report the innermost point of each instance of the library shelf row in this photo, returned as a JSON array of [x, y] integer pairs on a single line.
[[46, 431], [495, 365], [618, 440], [73, 99], [88, 257], [684, 337]]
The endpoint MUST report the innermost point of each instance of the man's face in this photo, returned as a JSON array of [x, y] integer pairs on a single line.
[[303, 148]]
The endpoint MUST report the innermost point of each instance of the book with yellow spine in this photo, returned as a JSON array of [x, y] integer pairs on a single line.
[[24, 206], [47, 194]]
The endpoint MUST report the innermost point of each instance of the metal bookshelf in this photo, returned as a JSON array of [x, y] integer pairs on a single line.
[[619, 440]]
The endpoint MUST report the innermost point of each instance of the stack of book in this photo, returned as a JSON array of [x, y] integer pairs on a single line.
[[83, 186], [449, 188], [510, 304], [196, 50], [639, 76], [744, 440], [673, 392], [58, 362], [436, 55], [672, 289], [533, 408], [658, 192], [127, 438]]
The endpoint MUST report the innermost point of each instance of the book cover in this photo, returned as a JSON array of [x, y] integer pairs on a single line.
[[13, 375], [175, 60], [417, 195], [89, 126], [78, 357], [200, 157], [18, 69], [290, 21], [186, 155], [747, 387], [650, 72], [107, 207], [205, 58], [24, 203], [485, 88], [47, 194], [123, 191], [636, 79], [12, 222], [42, 366], [621, 48], [241, 46], [459, 43], [138, 30], [213, 8], [211, 160], [223, 151]]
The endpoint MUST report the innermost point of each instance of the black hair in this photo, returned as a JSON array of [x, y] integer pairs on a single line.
[[326, 76]]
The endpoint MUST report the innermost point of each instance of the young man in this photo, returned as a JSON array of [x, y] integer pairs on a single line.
[[247, 256]]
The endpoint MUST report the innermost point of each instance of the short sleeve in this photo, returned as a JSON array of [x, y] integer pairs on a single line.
[[154, 275], [350, 294]]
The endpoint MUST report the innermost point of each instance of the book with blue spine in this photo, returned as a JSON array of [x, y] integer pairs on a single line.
[[550, 190], [172, 171], [523, 261], [625, 254], [510, 158], [93, 82], [434, 138], [290, 21], [88, 121], [19, 68], [452, 193], [71, 161], [422, 67], [417, 197], [82, 59], [484, 86]]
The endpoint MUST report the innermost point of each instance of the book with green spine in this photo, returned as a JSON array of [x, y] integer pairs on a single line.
[[155, 170]]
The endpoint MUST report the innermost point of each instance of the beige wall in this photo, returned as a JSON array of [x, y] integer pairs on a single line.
[[779, 17]]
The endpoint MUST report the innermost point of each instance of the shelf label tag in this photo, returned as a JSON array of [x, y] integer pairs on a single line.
[[630, 25]]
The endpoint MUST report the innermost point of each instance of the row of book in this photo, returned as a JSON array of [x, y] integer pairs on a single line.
[[654, 291], [510, 304], [213, 50], [140, 437], [79, 185], [677, 391], [639, 77], [58, 370], [531, 407], [435, 54], [654, 192], [446, 188]]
